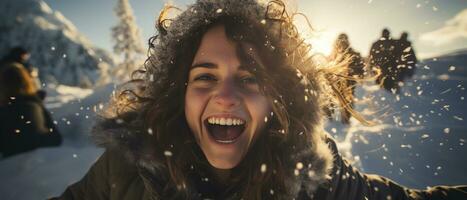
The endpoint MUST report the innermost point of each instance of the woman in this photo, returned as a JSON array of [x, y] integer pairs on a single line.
[[25, 124], [229, 107]]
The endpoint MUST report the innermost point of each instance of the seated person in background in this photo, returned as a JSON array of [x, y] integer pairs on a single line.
[[22, 56], [25, 123], [19, 55]]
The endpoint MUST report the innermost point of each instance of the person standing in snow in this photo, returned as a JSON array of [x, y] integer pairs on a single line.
[[25, 123], [383, 56], [353, 69], [407, 59], [231, 109]]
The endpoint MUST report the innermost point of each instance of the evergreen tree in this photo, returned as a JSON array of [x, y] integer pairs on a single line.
[[127, 41]]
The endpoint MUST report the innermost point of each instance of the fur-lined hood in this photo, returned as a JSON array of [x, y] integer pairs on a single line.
[[313, 165]]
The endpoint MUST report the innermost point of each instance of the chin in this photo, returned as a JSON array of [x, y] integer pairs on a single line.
[[221, 157], [223, 164]]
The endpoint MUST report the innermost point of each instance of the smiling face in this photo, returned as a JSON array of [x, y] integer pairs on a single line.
[[224, 107]]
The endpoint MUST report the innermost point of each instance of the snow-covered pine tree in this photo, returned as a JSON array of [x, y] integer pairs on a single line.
[[128, 43]]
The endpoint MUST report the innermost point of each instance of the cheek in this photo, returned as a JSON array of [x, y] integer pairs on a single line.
[[195, 101], [259, 108]]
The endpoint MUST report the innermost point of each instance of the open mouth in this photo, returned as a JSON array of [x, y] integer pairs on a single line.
[[225, 130]]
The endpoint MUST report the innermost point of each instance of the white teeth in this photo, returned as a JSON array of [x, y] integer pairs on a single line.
[[225, 121], [226, 141]]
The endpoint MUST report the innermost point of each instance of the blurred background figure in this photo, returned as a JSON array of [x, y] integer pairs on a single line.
[[407, 59], [351, 64], [394, 58], [382, 56], [21, 55], [25, 123]]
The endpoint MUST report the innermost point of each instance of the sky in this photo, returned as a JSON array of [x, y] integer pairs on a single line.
[[435, 27]]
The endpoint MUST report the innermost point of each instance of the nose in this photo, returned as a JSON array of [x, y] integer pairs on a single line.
[[227, 95]]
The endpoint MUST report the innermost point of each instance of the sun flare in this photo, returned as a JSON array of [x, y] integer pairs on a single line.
[[322, 42]]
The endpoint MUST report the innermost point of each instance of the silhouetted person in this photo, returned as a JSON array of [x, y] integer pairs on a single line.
[[25, 123], [407, 58], [383, 56], [353, 66]]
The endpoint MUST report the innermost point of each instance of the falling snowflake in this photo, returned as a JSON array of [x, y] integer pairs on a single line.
[[263, 168], [425, 136], [296, 172], [446, 130], [168, 153], [299, 165]]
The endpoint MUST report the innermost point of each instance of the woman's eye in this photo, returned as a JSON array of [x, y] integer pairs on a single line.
[[249, 80], [205, 77]]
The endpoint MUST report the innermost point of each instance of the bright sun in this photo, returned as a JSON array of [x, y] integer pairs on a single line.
[[320, 38], [322, 42]]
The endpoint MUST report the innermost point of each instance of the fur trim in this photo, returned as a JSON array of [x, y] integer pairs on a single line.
[[317, 167]]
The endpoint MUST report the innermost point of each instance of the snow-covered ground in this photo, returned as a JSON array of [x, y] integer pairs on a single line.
[[419, 136], [418, 140]]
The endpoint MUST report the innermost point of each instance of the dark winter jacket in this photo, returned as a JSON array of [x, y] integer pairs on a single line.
[[26, 125], [407, 60], [114, 176]]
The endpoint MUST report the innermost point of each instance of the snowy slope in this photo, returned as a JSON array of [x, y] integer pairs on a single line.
[[76, 117], [61, 53], [420, 134]]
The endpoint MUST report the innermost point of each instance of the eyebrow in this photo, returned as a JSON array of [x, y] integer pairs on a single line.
[[214, 66], [205, 65]]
